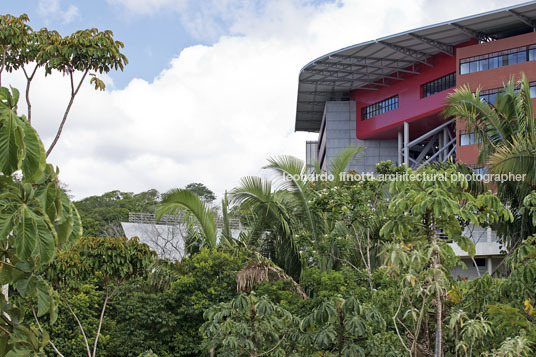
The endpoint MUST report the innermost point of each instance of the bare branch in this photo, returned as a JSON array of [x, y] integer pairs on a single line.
[[29, 79], [78, 322], [41, 329], [74, 92]]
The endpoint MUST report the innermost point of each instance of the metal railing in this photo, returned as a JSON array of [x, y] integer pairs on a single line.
[[173, 220]]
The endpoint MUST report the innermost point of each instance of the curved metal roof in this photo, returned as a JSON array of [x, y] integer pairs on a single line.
[[366, 65]]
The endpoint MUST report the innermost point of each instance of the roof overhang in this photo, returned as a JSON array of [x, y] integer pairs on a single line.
[[367, 65]]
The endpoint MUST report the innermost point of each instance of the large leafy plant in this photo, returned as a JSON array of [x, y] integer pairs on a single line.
[[36, 218]]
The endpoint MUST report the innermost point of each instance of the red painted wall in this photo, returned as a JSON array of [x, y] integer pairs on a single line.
[[411, 107], [490, 79]]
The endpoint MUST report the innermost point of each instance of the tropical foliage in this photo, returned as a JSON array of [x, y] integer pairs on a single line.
[[319, 267]]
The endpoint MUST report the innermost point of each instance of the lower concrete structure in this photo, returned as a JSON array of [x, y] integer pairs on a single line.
[[488, 254], [338, 132]]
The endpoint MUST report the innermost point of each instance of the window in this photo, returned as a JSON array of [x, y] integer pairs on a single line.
[[467, 138], [378, 108], [480, 262], [498, 59], [489, 96], [439, 85], [480, 171]]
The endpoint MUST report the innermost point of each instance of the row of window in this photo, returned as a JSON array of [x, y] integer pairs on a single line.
[[380, 107], [428, 89], [490, 95], [467, 138], [498, 59], [439, 85]]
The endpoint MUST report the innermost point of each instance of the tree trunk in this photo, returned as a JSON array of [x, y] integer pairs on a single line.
[[252, 324], [369, 268], [439, 307], [100, 324]]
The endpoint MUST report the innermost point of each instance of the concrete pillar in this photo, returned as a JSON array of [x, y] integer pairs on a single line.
[[406, 142], [400, 146], [490, 266]]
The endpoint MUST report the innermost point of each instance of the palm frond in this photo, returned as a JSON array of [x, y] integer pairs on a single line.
[[518, 158], [341, 161], [185, 199], [226, 231], [292, 171]]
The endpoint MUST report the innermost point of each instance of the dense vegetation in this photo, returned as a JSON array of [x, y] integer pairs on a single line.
[[320, 268]]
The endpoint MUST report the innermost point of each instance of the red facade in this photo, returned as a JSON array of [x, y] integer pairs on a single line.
[[424, 113]]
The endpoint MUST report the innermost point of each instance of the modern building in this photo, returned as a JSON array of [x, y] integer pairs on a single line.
[[168, 236], [388, 94]]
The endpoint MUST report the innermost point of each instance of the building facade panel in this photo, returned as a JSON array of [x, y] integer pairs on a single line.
[[490, 79], [412, 105]]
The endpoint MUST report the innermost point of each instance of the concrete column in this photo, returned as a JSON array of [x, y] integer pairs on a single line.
[[406, 142], [400, 146], [490, 266]]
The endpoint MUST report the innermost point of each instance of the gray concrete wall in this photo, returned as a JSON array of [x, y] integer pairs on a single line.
[[311, 150], [341, 132], [470, 272]]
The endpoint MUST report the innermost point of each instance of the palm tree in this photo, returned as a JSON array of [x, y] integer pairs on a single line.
[[271, 224], [186, 200], [507, 137], [279, 209]]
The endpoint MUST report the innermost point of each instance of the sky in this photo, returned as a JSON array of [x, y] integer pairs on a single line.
[[210, 89]]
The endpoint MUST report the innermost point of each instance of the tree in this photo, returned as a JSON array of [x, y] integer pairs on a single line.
[[506, 133], [112, 261], [88, 52], [102, 215], [198, 188], [186, 200], [436, 202], [167, 319], [250, 326], [344, 327], [36, 219], [278, 211]]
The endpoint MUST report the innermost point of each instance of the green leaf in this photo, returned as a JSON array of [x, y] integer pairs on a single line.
[[26, 234], [34, 161], [44, 293], [45, 247], [6, 225], [466, 245], [11, 147]]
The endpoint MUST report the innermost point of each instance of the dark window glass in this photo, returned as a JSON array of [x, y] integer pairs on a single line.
[[532, 54], [484, 64], [467, 139], [473, 66], [464, 68], [512, 58], [439, 85], [497, 59], [522, 57], [480, 262], [493, 62], [379, 108]]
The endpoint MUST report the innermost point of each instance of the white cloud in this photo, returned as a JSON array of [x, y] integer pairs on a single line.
[[219, 111], [148, 6], [52, 10]]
